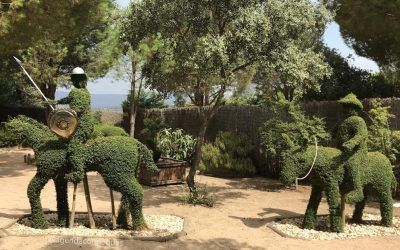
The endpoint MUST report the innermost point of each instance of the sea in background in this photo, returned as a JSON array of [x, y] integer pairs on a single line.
[[101, 101]]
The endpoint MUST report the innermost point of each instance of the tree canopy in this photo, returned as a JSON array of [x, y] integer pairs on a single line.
[[52, 37], [372, 28], [204, 44]]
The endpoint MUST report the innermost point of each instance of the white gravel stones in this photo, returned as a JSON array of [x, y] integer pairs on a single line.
[[291, 227], [159, 226]]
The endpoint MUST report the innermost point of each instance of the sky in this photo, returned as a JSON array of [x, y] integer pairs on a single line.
[[332, 38]]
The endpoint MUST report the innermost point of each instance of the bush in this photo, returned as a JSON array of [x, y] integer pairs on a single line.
[[147, 100], [175, 144], [7, 140], [152, 125], [289, 129], [228, 156], [381, 138], [108, 130], [200, 196]]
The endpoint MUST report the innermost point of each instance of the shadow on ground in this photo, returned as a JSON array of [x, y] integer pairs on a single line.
[[265, 217]]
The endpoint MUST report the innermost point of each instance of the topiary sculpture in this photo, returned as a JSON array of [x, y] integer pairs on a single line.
[[116, 158], [328, 175]]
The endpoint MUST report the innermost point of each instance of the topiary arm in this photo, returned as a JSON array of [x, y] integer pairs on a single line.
[[64, 100], [361, 134]]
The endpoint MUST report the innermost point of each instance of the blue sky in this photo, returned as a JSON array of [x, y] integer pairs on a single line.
[[332, 38]]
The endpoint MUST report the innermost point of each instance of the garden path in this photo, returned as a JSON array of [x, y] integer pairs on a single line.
[[237, 221]]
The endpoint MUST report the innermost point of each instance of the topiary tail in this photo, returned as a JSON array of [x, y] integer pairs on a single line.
[[146, 157]]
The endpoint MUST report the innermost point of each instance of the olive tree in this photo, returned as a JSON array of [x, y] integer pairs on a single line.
[[204, 44]]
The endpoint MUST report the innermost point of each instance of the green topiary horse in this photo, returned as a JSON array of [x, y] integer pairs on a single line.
[[328, 175], [116, 158]]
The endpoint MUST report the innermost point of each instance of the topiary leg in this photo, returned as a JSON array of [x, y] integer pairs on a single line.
[[136, 202], [34, 188], [358, 211], [310, 217], [62, 200], [386, 207], [123, 213], [333, 196]]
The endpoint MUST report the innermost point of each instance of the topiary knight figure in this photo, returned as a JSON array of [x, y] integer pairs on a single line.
[[352, 136], [79, 101]]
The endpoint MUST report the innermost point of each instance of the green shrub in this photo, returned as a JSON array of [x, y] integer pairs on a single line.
[[200, 196], [97, 116], [147, 100], [288, 129], [6, 139], [228, 156], [381, 138], [152, 125], [175, 144], [108, 130]]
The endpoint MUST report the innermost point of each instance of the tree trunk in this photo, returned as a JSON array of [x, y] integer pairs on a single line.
[[132, 113], [197, 154]]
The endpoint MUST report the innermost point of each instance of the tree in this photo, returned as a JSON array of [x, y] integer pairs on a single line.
[[59, 34], [299, 70], [204, 43], [344, 79], [372, 28]]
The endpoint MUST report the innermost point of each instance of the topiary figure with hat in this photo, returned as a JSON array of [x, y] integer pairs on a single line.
[[352, 136], [79, 101]]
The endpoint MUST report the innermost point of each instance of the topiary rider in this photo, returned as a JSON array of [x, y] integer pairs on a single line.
[[79, 101], [352, 136]]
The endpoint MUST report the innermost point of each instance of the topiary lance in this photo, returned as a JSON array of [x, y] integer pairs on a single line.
[[116, 158]]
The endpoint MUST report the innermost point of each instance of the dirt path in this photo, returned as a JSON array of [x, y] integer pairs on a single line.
[[237, 221]]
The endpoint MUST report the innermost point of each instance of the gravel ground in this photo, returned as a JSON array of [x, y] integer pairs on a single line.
[[159, 226], [291, 227]]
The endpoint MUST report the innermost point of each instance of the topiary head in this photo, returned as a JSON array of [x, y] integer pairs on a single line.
[[351, 104], [25, 129], [293, 166], [79, 78]]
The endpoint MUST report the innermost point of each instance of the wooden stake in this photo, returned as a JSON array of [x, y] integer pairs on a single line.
[[342, 208], [92, 224], [72, 215], [114, 218]]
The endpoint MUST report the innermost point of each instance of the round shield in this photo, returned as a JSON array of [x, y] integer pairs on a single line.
[[63, 122]]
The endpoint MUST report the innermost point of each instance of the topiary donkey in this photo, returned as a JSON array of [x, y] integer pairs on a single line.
[[116, 158], [328, 175]]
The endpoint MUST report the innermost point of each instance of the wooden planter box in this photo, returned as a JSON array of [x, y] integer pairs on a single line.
[[171, 172]]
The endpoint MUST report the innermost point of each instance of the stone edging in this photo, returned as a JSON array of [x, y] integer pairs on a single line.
[[4, 233]]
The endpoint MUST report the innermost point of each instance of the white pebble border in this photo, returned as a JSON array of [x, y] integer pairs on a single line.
[[291, 227], [159, 226]]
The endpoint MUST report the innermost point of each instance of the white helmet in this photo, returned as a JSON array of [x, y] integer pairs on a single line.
[[78, 71]]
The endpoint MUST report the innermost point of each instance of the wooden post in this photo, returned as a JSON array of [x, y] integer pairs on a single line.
[[72, 215], [342, 208], [92, 224], [114, 218]]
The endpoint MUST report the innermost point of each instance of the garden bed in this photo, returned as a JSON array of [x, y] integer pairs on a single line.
[[161, 227], [291, 228], [171, 172]]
